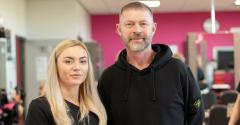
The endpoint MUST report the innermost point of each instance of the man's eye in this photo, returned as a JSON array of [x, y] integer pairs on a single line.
[[129, 24], [143, 24]]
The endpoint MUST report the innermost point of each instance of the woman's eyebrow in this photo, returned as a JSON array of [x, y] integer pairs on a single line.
[[82, 57], [69, 57]]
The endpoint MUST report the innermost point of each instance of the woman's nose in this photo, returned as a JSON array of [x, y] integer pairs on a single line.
[[76, 66]]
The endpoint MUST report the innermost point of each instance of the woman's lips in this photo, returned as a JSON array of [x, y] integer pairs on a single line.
[[76, 76]]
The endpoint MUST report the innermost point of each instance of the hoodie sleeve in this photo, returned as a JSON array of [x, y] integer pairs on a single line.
[[194, 111], [102, 90]]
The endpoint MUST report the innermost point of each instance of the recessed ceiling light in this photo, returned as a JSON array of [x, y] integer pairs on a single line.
[[1, 21], [237, 2], [153, 3]]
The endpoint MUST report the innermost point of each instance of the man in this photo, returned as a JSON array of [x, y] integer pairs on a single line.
[[146, 86]]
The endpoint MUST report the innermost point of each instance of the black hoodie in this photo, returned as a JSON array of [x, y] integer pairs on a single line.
[[164, 93]]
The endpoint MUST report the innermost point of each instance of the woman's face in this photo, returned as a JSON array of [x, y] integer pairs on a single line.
[[72, 66]]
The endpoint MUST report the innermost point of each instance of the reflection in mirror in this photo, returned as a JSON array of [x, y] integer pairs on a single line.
[[223, 68], [216, 58]]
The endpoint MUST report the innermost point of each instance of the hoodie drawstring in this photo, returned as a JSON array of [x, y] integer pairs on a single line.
[[128, 85], [154, 97]]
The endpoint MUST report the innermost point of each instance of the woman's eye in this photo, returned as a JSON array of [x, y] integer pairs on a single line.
[[83, 61], [68, 61]]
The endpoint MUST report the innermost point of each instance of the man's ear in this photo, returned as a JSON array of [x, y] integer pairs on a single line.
[[118, 29], [154, 27]]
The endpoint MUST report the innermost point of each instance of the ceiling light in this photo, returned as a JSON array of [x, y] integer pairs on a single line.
[[153, 3], [237, 2], [1, 21]]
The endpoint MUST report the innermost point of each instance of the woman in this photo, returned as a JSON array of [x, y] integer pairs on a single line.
[[235, 116], [71, 96]]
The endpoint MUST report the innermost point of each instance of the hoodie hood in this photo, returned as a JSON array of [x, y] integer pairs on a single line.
[[163, 55]]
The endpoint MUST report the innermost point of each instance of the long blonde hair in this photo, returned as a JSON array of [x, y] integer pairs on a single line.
[[89, 99]]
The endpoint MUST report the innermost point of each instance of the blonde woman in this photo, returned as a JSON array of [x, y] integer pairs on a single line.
[[71, 96], [235, 116]]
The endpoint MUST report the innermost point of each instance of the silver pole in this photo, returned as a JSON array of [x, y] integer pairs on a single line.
[[213, 19]]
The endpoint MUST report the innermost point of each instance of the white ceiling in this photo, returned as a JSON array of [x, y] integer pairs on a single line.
[[113, 6]]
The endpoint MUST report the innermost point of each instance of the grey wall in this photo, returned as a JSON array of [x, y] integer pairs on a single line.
[[2, 63], [96, 54], [34, 50]]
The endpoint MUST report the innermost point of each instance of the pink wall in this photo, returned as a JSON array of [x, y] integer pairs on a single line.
[[172, 29]]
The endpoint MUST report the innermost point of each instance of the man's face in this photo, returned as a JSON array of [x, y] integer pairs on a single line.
[[136, 28]]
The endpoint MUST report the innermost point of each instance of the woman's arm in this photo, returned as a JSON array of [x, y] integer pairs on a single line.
[[39, 113], [235, 116]]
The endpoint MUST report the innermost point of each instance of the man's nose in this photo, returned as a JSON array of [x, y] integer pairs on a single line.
[[137, 29]]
